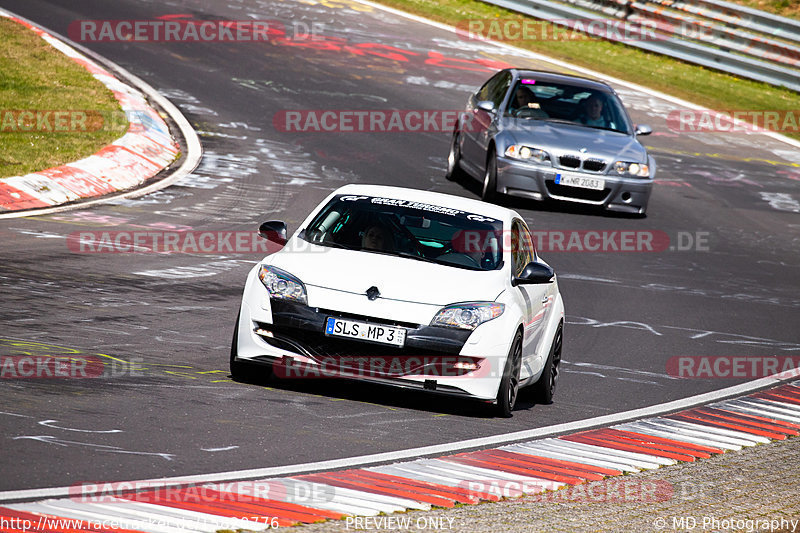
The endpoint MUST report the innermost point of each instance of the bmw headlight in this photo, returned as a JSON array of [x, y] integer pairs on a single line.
[[527, 153], [637, 170], [281, 285], [467, 315]]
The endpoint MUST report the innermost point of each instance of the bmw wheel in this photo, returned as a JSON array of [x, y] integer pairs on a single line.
[[489, 192], [454, 159], [509, 385]]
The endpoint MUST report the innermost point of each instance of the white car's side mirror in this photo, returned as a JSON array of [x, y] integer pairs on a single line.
[[274, 231]]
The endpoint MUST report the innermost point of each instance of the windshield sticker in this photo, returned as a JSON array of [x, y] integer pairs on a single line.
[[528, 82], [417, 205]]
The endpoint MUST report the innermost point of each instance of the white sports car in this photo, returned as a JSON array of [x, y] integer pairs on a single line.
[[409, 288]]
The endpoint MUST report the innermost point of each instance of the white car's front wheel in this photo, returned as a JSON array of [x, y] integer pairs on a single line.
[[241, 370], [509, 385], [545, 388]]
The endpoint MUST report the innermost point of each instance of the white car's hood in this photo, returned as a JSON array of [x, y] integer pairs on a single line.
[[396, 278]]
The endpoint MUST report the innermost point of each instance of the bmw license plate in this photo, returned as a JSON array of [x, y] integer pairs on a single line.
[[339, 327], [582, 182]]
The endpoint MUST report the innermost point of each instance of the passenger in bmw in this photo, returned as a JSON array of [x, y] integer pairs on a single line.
[[593, 112]]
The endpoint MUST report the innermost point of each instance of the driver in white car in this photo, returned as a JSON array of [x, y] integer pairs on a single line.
[[376, 237]]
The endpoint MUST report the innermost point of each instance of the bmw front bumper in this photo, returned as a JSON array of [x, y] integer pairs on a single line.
[[627, 195]]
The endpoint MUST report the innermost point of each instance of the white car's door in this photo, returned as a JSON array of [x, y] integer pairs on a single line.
[[536, 299]]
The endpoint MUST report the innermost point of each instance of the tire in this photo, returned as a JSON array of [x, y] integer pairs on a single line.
[[544, 389], [509, 384], [454, 171], [489, 192], [243, 371]]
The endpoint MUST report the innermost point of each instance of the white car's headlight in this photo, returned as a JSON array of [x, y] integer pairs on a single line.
[[527, 153], [282, 285], [467, 315], [632, 169]]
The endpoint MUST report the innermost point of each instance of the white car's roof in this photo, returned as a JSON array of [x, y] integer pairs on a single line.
[[436, 198]]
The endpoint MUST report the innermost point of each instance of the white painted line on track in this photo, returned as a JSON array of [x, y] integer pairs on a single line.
[[562, 454], [746, 439], [677, 434]]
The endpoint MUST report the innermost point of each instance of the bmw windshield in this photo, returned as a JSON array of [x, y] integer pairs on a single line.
[[557, 102], [416, 230]]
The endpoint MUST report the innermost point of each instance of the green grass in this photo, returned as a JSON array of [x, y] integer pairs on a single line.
[[35, 76], [784, 8], [696, 84]]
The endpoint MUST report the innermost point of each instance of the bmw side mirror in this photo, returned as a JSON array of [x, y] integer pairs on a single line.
[[643, 129], [534, 273], [274, 231], [486, 105]]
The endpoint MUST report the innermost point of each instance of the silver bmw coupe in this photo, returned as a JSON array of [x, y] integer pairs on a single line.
[[543, 135]]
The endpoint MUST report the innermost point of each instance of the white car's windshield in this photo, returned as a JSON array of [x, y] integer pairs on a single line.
[[421, 231]]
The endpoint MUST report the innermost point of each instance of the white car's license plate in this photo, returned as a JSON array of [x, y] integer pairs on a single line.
[[367, 332], [582, 182]]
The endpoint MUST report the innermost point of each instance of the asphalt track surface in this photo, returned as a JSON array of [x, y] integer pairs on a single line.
[[176, 412]]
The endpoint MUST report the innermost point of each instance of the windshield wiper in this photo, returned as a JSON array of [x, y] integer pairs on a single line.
[[332, 244], [562, 121], [418, 257]]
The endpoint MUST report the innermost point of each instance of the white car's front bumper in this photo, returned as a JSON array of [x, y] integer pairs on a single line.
[[290, 337]]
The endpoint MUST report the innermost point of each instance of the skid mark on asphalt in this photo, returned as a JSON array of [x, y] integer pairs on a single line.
[[615, 372], [691, 333], [202, 270], [52, 424], [49, 439], [748, 299]]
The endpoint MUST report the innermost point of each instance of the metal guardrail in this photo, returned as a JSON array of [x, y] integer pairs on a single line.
[[739, 17], [737, 40], [727, 48]]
